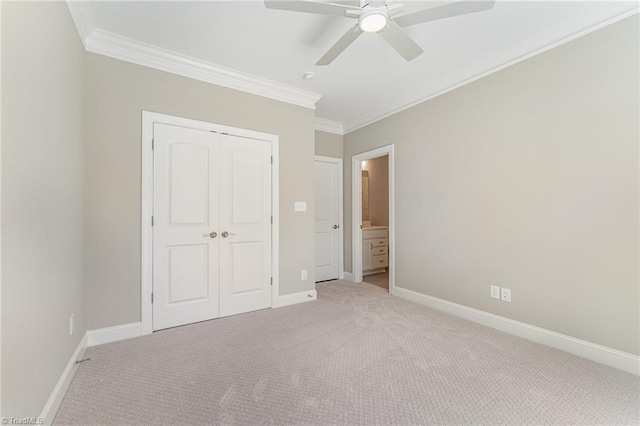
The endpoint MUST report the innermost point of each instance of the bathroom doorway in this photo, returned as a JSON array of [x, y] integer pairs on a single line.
[[372, 218], [375, 221]]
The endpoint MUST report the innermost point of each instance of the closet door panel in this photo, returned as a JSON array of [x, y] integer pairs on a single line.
[[245, 222], [185, 262]]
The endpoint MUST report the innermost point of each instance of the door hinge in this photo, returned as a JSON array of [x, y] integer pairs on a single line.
[[153, 143], [272, 220], [151, 297], [271, 280], [151, 220], [272, 159]]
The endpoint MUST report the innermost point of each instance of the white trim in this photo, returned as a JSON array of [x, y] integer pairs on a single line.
[[329, 126], [101, 336], [347, 276], [598, 353], [123, 48], [338, 161], [146, 272], [356, 220], [325, 159], [294, 298], [392, 221], [418, 96], [82, 18], [126, 49], [60, 389], [275, 228], [146, 242], [1, 216], [356, 212]]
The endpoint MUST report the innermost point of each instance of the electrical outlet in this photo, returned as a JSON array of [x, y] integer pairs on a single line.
[[495, 292], [506, 294], [303, 274], [71, 325]]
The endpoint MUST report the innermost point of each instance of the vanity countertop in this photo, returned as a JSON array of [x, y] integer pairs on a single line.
[[375, 227]]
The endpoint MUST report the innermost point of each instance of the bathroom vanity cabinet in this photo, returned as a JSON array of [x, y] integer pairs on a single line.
[[375, 249]]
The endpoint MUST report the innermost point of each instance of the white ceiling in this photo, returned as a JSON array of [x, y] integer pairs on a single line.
[[369, 80]]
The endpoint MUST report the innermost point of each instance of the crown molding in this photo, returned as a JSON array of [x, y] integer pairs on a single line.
[[119, 47], [126, 49], [83, 19], [419, 96], [329, 126], [123, 48]]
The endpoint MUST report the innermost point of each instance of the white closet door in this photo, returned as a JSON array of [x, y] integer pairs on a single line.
[[186, 257], [327, 221], [245, 225]]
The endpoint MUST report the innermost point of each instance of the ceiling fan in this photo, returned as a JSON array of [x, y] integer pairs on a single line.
[[377, 16]]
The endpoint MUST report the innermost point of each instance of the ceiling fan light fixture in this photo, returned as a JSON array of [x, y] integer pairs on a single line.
[[372, 21]]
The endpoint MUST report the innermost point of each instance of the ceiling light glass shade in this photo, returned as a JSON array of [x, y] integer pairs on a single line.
[[372, 22]]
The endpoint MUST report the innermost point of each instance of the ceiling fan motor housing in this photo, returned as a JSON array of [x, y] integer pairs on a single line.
[[373, 18]]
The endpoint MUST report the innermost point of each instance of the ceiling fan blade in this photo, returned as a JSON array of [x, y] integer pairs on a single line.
[[348, 38], [400, 41], [310, 7], [447, 11]]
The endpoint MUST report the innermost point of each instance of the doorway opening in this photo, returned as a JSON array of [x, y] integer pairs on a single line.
[[373, 256], [375, 221]]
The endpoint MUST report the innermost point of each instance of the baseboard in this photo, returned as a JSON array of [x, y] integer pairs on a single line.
[[594, 352], [113, 334], [292, 299], [347, 276], [57, 394]]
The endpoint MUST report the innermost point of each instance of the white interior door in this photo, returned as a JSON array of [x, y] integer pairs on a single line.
[[245, 224], [327, 221], [185, 256], [212, 225]]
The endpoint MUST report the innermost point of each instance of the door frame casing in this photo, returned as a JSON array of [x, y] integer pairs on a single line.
[[338, 161], [146, 273], [356, 213]]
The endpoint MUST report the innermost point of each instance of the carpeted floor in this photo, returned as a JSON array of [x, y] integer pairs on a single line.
[[355, 356]]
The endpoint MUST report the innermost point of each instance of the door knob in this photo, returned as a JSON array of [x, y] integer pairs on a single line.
[[225, 234], [336, 226], [211, 234]]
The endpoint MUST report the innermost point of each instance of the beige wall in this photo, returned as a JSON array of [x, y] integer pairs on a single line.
[[378, 169], [42, 208], [526, 179], [116, 94], [328, 144]]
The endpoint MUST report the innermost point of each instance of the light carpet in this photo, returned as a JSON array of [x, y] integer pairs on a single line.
[[355, 356]]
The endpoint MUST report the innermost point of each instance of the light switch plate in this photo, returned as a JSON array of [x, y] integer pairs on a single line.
[[495, 292], [300, 206]]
